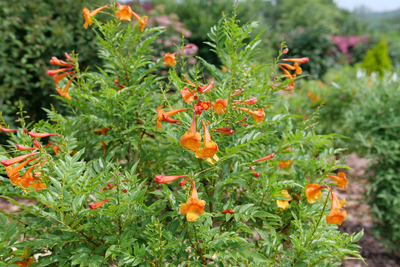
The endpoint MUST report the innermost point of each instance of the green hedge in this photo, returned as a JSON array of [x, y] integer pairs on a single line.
[[33, 32]]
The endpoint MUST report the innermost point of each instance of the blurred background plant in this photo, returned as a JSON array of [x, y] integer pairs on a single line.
[[33, 32]]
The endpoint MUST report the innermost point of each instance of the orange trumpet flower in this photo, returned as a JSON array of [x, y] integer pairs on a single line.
[[41, 135], [205, 89], [21, 147], [298, 60], [168, 114], [54, 72], [142, 22], [124, 12], [191, 139], [188, 81], [255, 174], [87, 14], [8, 162], [299, 70], [219, 106], [26, 261], [231, 211], [250, 101], [287, 66], [5, 130], [284, 204], [270, 156], [56, 149], [284, 164], [201, 106], [210, 148], [96, 205], [161, 179], [56, 61], [169, 59], [59, 77], [64, 93], [187, 95], [183, 182], [340, 180], [193, 207], [227, 132], [336, 216], [13, 172], [238, 92], [258, 115], [224, 128], [313, 192]]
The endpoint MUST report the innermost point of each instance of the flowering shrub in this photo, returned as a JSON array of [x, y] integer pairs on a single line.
[[252, 188]]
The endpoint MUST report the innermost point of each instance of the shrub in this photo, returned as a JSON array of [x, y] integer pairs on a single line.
[[377, 59], [250, 193]]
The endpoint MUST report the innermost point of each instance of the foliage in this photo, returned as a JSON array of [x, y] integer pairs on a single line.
[[377, 59], [131, 219], [364, 110], [33, 31]]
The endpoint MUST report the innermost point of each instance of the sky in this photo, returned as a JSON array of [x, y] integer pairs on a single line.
[[374, 5]]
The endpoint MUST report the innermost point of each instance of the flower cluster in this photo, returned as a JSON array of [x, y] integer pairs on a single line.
[[28, 179], [61, 73], [313, 192], [296, 68]]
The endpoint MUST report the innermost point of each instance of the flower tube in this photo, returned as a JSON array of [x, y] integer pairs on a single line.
[[8, 162], [191, 139], [41, 135], [96, 205], [161, 179], [270, 156]]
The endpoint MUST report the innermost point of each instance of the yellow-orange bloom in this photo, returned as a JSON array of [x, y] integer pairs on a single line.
[[313, 192], [258, 115], [210, 148], [141, 21], [26, 261], [96, 205], [336, 216], [298, 60], [64, 93], [56, 149], [219, 106], [193, 207], [13, 172], [169, 59], [284, 204], [27, 180], [166, 116], [284, 164], [124, 12], [41, 135], [187, 95], [191, 139], [161, 179], [8, 162], [340, 180], [87, 14]]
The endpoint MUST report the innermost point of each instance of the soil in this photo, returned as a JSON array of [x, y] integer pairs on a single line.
[[358, 217]]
